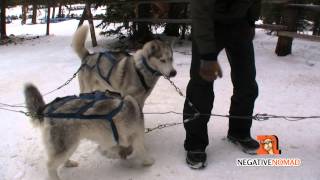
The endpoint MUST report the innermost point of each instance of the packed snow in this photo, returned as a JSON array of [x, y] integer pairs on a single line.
[[288, 86]]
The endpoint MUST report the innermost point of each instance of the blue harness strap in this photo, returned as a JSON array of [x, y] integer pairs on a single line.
[[113, 61], [94, 97]]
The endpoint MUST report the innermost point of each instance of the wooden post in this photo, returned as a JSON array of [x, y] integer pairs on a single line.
[[290, 17], [48, 20], [92, 31], [83, 16]]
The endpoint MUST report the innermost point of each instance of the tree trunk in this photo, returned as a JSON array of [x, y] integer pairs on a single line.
[[53, 9], [290, 18], [60, 10], [48, 20], [175, 12], [24, 13], [90, 19], [3, 32], [143, 32], [316, 26], [34, 12]]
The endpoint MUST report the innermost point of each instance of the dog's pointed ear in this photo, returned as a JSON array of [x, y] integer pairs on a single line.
[[170, 41], [153, 47]]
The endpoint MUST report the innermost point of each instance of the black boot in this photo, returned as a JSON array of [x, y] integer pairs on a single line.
[[196, 159], [247, 145]]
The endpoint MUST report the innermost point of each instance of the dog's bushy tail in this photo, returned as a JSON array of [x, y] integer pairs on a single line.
[[35, 103], [78, 42]]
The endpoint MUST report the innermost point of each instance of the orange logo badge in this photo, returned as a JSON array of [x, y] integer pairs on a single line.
[[269, 144]]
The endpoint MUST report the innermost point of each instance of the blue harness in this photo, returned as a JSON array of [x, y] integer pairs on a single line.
[[114, 61], [79, 113]]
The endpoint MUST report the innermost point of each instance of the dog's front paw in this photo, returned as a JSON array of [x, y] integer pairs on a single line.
[[52, 178], [124, 152], [148, 161], [71, 164]]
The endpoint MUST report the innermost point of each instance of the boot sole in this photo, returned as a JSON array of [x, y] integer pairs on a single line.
[[245, 150], [200, 165]]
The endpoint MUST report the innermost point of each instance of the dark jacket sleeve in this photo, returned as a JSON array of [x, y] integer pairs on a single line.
[[239, 10], [203, 28]]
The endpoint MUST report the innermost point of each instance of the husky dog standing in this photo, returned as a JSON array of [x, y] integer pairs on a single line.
[[62, 136], [134, 75]]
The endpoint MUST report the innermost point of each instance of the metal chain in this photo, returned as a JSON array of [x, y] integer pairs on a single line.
[[22, 112], [65, 83], [161, 126], [12, 106], [257, 117], [179, 91], [21, 105]]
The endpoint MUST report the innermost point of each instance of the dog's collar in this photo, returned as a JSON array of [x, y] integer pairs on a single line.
[[149, 68]]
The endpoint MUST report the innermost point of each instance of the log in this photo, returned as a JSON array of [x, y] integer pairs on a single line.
[[299, 36]]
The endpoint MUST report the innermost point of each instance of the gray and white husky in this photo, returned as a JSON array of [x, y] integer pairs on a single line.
[[62, 135], [134, 75]]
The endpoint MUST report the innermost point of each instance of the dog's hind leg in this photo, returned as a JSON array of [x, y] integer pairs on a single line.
[[57, 159], [60, 145], [52, 166], [70, 163]]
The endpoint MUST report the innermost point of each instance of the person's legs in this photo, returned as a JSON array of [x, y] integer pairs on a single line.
[[240, 53], [200, 93]]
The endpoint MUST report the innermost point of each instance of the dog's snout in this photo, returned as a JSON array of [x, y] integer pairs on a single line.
[[173, 73]]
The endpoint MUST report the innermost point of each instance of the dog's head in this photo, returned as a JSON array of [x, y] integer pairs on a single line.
[[160, 57]]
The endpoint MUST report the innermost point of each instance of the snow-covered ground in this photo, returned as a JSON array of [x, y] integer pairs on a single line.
[[288, 86]]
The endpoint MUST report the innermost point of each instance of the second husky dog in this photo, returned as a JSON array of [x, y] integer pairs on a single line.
[[134, 75], [116, 124]]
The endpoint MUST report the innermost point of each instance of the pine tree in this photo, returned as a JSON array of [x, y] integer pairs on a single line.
[[3, 6]]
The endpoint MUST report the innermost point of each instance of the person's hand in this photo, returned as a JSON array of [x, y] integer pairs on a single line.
[[210, 70]]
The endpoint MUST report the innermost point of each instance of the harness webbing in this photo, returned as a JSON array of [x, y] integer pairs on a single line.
[[113, 61], [94, 97]]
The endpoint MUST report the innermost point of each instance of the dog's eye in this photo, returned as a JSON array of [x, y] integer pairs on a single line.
[[162, 60]]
